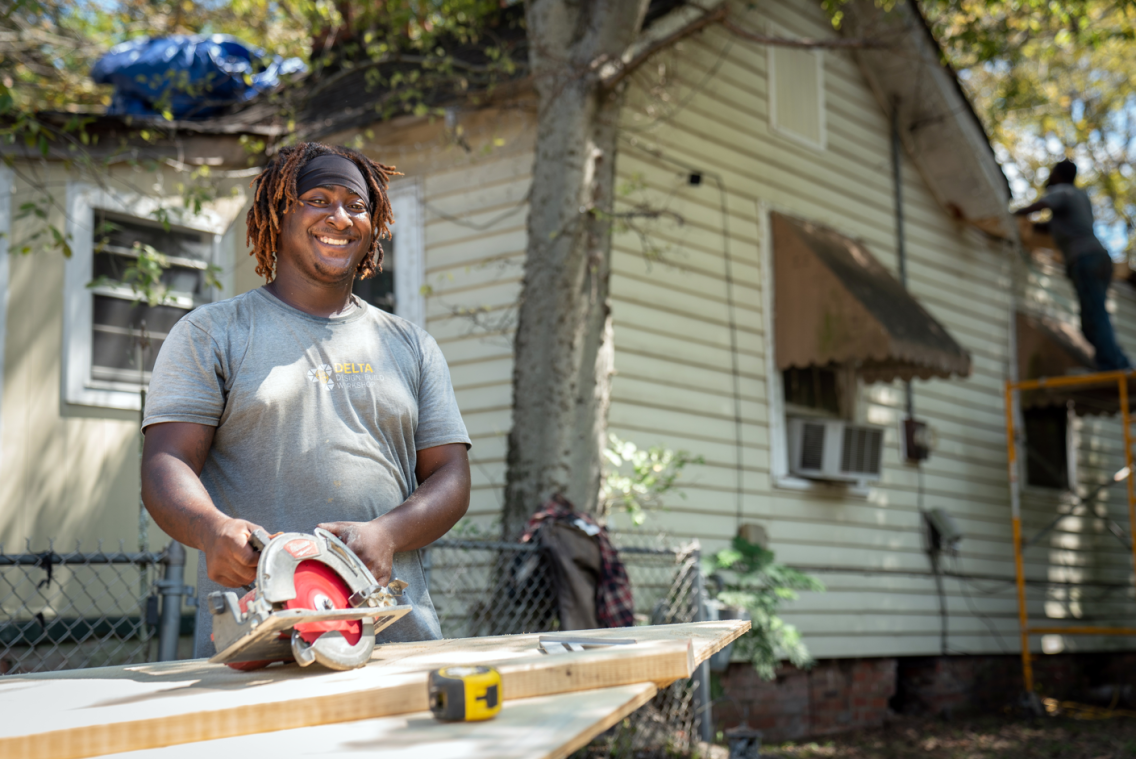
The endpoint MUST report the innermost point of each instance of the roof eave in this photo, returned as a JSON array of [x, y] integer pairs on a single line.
[[938, 125]]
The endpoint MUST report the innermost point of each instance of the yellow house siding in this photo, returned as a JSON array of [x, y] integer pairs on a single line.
[[69, 473], [64, 476], [475, 210]]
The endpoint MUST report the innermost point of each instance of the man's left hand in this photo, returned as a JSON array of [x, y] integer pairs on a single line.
[[370, 542]]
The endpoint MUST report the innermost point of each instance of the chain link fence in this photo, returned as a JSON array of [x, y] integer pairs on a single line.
[[492, 588], [74, 610]]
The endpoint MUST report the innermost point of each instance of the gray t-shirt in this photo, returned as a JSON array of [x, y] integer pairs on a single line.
[[1072, 224], [318, 420]]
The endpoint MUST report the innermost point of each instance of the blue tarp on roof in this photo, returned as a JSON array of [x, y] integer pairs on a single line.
[[191, 76]]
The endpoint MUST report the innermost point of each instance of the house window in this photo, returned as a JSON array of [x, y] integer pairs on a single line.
[[817, 390], [837, 318], [110, 341], [1047, 447], [126, 335], [379, 289], [398, 287], [796, 93]]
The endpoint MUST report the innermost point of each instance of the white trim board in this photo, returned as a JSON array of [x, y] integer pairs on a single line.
[[409, 251], [5, 278]]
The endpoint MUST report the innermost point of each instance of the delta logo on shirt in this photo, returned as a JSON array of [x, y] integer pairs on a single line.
[[348, 374]]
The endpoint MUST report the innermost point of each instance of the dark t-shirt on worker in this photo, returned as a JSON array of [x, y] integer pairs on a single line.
[[318, 420], [1072, 223]]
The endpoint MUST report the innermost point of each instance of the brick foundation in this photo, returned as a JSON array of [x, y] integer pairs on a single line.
[[834, 696], [938, 685], [837, 695]]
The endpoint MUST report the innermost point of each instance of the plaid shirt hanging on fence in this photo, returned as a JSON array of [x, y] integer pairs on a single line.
[[614, 607]]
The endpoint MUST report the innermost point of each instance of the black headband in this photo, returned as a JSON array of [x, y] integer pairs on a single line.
[[332, 169]]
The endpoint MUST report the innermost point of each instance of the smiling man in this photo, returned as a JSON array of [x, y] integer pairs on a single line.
[[298, 404]]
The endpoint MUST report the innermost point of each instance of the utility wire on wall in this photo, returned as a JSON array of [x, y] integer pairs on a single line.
[[695, 176]]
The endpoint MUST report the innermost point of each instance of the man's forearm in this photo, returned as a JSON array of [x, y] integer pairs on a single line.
[[1034, 207], [436, 506], [439, 502], [172, 460], [177, 500]]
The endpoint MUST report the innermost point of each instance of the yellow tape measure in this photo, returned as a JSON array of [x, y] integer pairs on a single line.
[[465, 694]]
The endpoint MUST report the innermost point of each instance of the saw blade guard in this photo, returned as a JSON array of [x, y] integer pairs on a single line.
[[279, 560]]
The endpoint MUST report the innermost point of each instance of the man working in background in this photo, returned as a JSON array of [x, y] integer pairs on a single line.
[[1087, 263]]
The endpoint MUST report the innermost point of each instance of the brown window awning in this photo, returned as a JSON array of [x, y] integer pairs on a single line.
[[835, 303], [1048, 347]]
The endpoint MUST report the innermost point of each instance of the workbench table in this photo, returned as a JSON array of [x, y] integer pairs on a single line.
[[94, 712], [547, 727]]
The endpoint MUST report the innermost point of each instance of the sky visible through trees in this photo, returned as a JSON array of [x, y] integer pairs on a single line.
[[1053, 79], [1049, 78]]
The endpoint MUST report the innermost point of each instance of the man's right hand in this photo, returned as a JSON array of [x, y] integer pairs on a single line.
[[229, 559], [172, 460]]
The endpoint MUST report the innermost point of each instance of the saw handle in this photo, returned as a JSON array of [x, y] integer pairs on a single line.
[[259, 539]]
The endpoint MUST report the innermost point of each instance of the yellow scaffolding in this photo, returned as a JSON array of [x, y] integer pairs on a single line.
[[1121, 378]]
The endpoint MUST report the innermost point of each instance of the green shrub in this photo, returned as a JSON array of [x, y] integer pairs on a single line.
[[746, 576]]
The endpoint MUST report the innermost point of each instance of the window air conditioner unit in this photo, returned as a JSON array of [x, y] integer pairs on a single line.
[[830, 449]]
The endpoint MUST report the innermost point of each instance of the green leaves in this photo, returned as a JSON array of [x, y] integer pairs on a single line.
[[748, 577], [637, 479], [1052, 80], [144, 275]]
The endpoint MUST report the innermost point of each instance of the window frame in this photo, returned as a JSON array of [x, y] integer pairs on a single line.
[[78, 388], [1072, 457], [779, 474], [771, 91], [847, 387], [409, 250], [6, 176]]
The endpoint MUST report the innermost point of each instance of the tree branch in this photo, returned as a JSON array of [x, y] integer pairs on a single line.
[[839, 44], [626, 68], [721, 16]]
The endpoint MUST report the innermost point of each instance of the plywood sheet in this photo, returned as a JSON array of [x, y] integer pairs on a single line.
[[548, 727], [113, 709]]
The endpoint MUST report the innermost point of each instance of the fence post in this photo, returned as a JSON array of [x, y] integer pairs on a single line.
[[172, 587], [702, 677]]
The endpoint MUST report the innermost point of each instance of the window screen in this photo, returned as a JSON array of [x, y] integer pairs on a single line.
[[126, 335], [815, 387], [379, 289], [1047, 447]]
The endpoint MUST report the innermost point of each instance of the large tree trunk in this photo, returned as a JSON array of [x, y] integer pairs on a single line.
[[563, 344]]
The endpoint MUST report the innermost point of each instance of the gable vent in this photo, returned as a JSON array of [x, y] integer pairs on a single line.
[[796, 93]]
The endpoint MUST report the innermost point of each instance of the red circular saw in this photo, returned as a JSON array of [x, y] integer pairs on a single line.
[[314, 601]]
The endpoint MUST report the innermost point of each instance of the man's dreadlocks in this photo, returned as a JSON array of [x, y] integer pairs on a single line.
[[275, 195]]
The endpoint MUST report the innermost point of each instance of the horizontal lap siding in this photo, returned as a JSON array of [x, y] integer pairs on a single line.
[[475, 244], [674, 385]]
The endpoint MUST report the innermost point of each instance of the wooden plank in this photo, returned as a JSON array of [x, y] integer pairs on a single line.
[[113, 709], [548, 727]]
